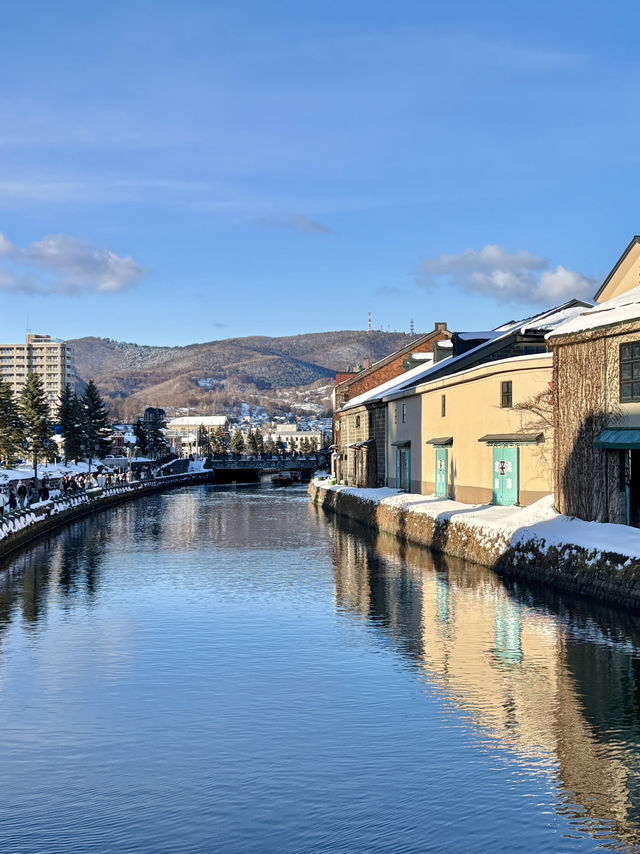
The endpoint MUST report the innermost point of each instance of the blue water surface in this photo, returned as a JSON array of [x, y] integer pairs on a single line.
[[222, 670]]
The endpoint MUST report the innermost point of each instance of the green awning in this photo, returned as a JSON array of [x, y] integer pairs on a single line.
[[619, 439], [441, 442], [512, 438]]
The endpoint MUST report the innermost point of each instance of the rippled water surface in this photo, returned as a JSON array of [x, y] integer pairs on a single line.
[[232, 671]]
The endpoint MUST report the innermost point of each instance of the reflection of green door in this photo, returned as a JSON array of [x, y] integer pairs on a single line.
[[442, 464], [505, 476]]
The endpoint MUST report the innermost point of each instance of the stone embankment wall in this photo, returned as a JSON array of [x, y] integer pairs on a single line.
[[606, 576], [22, 527]]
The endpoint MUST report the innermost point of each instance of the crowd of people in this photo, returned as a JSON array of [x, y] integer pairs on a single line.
[[21, 494]]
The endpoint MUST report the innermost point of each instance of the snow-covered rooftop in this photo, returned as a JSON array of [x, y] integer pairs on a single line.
[[622, 309], [392, 385], [197, 420], [423, 372]]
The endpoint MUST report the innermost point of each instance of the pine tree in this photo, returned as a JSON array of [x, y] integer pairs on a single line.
[[220, 441], [269, 446], [97, 435], [34, 420], [237, 442], [71, 420], [204, 441], [293, 448], [252, 445], [279, 446], [10, 436], [259, 441], [141, 437], [156, 444]]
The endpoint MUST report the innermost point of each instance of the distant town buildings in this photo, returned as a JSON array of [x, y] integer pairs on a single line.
[[182, 432], [50, 358]]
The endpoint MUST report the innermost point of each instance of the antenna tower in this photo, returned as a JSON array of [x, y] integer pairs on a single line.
[[411, 327], [370, 327]]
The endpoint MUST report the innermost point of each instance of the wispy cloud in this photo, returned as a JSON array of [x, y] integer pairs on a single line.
[[297, 222], [390, 290], [519, 276], [59, 264]]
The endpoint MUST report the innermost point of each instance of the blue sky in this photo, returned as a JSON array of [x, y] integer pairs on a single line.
[[179, 172]]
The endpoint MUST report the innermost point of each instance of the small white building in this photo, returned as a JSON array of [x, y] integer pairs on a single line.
[[186, 428]]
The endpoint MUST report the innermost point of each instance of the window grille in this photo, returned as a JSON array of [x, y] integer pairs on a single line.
[[629, 372]]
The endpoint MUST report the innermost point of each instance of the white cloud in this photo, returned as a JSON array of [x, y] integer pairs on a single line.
[[65, 265], [507, 276]]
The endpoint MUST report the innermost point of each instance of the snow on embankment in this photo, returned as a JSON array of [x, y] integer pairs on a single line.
[[536, 541]]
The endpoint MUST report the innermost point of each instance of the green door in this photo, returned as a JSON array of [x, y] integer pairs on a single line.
[[505, 476], [442, 467], [403, 469]]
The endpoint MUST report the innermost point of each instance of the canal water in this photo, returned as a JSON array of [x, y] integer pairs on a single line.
[[215, 670]]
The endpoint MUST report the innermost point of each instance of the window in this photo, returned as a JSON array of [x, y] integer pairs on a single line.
[[395, 414], [629, 372], [506, 394], [404, 412], [357, 421], [444, 405]]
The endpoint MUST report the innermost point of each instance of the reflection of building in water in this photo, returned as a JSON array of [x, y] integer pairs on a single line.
[[571, 705]]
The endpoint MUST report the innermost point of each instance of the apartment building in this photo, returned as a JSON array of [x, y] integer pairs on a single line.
[[48, 357]]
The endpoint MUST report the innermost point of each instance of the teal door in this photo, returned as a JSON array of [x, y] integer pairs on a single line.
[[505, 476], [442, 468], [403, 469]]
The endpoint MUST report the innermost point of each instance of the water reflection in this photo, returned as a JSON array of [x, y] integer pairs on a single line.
[[189, 646], [555, 679]]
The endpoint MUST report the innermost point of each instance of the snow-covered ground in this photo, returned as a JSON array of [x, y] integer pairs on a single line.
[[538, 524]]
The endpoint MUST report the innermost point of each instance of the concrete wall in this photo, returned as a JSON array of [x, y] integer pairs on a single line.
[[607, 576]]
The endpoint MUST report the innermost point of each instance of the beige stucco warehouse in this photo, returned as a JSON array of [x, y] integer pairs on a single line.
[[472, 409]]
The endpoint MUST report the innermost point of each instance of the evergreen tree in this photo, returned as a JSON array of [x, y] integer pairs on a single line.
[[34, 420], [313, 445], [259, 441], [269, 446], [252, 445], [220, 441], [292, 447], [304, 446], [279, 446], [71, 420], [97, 433], [141, 437], [10, 434], [237, 442], [156, 442], [204, 441]]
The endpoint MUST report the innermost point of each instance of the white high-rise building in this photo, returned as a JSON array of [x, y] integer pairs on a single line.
[[48, 357]]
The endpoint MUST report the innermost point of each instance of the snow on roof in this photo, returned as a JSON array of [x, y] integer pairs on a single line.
[[474, 336], [621, 309], [447, 343], [197, 420], [391, 385], [423, 372]]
